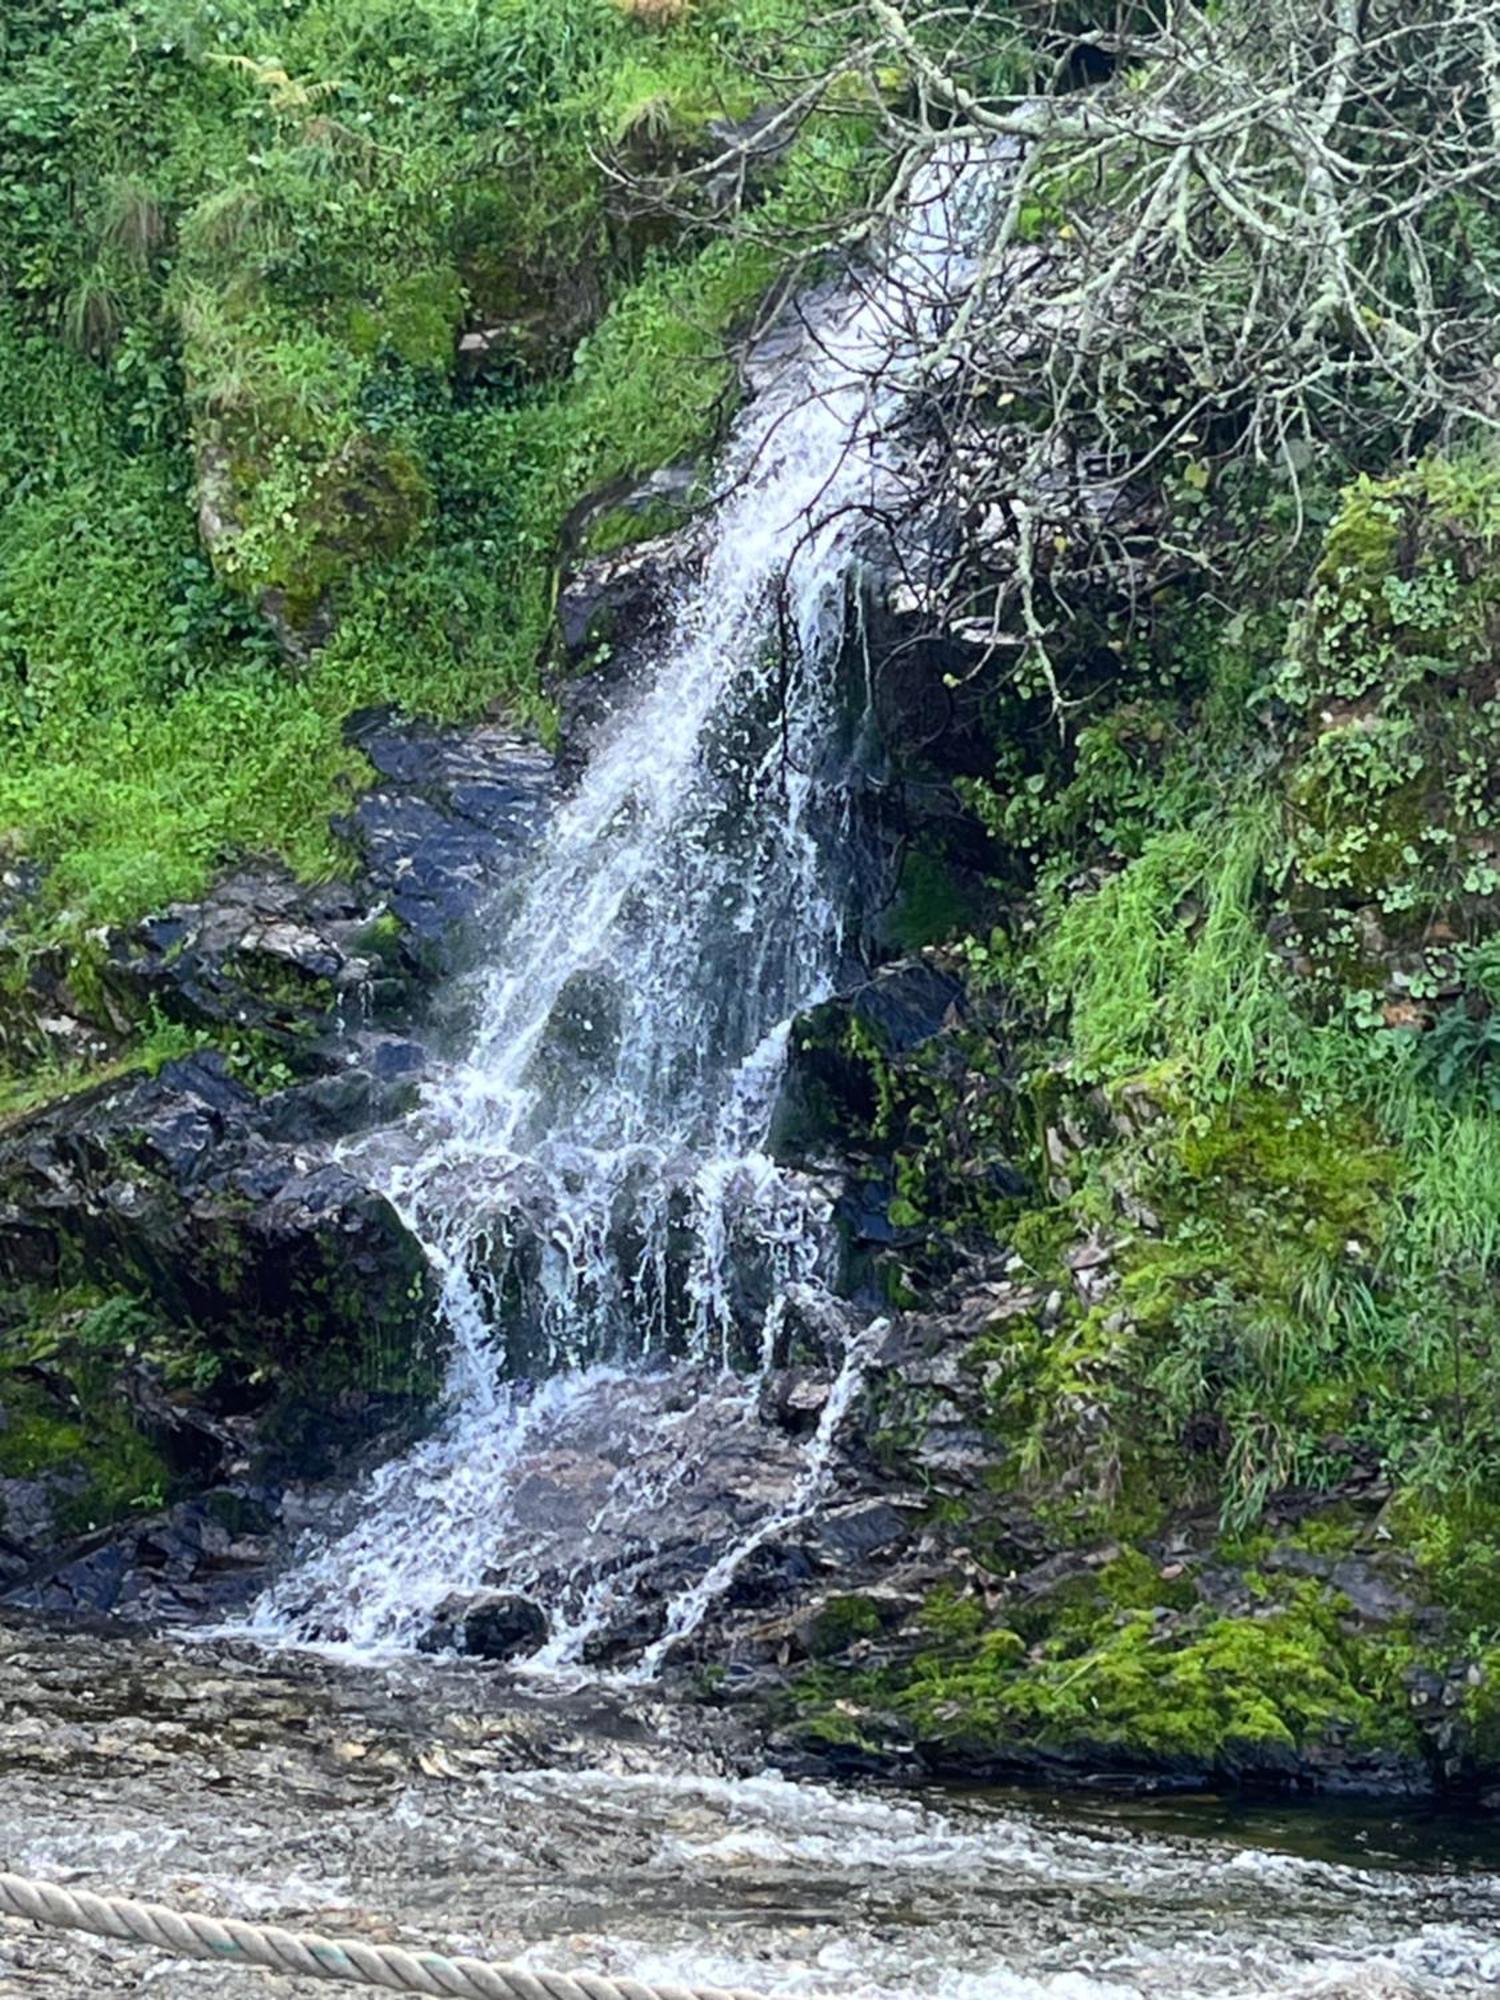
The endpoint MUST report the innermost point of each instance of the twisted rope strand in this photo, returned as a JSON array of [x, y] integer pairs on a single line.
[[305, 1955]]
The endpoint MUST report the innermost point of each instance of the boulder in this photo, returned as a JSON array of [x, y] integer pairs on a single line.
[[907, 1005], [317, 1300], [488, 1625], [831, 1095]]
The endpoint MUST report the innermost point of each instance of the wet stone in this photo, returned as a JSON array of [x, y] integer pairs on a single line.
[[795, 1398], [489, 1625]]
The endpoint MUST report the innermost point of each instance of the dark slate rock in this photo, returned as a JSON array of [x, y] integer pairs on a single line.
[[393, 1058], [205, 1557], [861, 1531], [486, 774], [90, 1582], [621, 600], [432, 872], [460, 810], [487, 1625], [162, 1188], [613, 615], [908, 1005]]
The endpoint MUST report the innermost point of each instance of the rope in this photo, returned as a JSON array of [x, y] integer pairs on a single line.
[[307, 1956]]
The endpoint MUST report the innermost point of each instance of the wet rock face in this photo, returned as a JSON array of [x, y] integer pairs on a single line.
[[455, 810], [205, 1195], [899, 1084], [172, 1190], [613, 613]]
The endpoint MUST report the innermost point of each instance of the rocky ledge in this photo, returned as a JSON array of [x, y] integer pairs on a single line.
[[196, 1298]]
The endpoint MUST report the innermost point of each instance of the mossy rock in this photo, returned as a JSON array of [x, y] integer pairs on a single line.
[[289, 526], [366, 505], [66, 1428], [1125, 1669], [415, 318], [314, 1301], [1393, 778]]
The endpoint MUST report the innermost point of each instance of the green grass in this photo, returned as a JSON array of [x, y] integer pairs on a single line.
[[1211, 1002], [255, 229]]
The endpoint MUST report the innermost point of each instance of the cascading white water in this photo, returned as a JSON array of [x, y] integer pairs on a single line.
[[592, 1182]]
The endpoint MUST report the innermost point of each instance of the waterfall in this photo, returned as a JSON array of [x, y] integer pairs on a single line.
[[591, 1181]]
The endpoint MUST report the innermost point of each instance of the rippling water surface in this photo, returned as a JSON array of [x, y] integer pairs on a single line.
[[616, 1831]]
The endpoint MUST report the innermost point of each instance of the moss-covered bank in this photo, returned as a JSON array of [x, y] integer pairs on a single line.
[[1220, 1117]]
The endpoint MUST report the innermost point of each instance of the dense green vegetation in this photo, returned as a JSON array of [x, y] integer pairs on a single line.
[[1262, 940], [240, 239], [1237, 1021]]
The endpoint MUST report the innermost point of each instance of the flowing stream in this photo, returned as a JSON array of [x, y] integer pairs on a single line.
[[591, 1181], [612, 1830]]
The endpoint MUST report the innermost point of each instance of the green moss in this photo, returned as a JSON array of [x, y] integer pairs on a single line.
[[1481, 1710], [1395, 776], [63, 1422], [932, 904], [1455, 1540], [1245, 1685], [416, 319], [1266, 1166], [833, 1727], [839, 1622], [949, 1614], [1335, 1532], [1405, 584], [381, 939], [1360, 807], [1242, 1316], [1121, 1664], [622, 527], [303, 529], [32, 1082], [35, 1439]]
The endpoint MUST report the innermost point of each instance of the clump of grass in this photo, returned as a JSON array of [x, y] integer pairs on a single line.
[[656, 13]]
